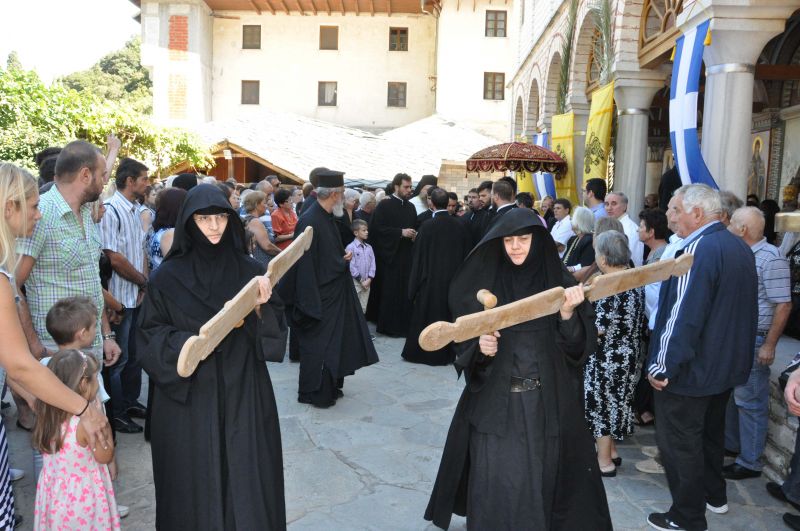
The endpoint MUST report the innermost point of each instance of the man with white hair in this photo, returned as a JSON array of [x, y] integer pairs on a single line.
[[748, 412], [366, 205], [701, 348], [617, 208]]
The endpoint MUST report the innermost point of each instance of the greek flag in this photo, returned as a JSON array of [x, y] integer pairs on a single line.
[[544, 182], [683, 107]]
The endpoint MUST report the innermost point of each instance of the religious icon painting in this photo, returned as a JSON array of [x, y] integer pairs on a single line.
[[758, 168]]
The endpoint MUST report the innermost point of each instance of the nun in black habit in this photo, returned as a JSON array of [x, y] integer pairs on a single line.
[[215, 438], [518, 454]]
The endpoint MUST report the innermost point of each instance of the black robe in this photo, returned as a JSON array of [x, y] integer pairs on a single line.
[[495, 216], [324, 312], [345, 226], [572, 496], [439, 249], [215, 437], [389, 306], [478, 221], [422, 218], [310, 200], [360, 214]]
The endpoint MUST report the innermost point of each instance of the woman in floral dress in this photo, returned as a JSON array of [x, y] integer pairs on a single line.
[[611, 372]]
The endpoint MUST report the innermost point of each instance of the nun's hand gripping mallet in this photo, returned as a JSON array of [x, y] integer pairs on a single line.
[[199, 347], [438, 335]]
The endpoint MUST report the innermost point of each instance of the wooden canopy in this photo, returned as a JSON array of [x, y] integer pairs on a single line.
[[240, 163]]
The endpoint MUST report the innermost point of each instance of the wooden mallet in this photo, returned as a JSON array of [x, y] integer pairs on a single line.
[[787, 222], [199, 347], [438, 335]]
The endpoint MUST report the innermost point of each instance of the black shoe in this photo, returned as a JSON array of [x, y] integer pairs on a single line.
[[310, 402], [18, 520], [776, 492], [736, 471], [791, 520], [122, 425], [138, 411], [609, 474], [662, 521], [617, 461]]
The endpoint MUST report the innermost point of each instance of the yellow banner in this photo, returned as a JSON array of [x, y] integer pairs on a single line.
[[525, 183], [561, 142], [598, 133]]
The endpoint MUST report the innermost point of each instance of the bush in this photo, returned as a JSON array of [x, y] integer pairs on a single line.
[[34, 116]]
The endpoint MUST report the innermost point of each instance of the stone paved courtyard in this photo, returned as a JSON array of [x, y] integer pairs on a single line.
[[370, 461]]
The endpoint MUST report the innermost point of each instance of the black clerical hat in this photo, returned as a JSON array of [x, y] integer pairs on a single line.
[[314, 175], [330, 179]]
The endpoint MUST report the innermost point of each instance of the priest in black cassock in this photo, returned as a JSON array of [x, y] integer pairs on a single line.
[[391, 234], [312, 197], [322, 305], [441, 245], [215, 438]]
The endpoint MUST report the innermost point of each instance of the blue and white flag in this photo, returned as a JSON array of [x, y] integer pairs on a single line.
[[683, 107], [544, 182]]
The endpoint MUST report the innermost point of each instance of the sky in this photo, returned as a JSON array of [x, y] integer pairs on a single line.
[[58, 37]]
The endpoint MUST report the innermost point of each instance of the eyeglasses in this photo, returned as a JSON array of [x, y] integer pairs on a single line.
[[206, 219]]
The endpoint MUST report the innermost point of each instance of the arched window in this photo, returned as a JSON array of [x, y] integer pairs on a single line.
[[657, 31]]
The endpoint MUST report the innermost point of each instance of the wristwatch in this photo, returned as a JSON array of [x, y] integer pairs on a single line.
[[110, 335]]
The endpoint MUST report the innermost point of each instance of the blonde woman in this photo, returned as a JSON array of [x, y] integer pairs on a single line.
[[19, 196]]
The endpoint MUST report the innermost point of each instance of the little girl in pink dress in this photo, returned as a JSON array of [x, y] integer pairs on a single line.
[[74, 489]]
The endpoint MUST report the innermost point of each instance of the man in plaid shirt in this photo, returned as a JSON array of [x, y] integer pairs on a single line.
[[61, 258]]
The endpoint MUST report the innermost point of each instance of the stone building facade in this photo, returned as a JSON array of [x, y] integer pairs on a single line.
[[369, 64], [748, 108], [750, 64]]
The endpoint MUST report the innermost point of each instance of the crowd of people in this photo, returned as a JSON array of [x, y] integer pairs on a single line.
[[110, 277]]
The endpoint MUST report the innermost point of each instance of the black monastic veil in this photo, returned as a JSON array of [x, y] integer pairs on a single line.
[[520, 460], [216, 446]]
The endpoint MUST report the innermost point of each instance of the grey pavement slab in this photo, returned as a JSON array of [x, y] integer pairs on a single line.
[[370, 461]]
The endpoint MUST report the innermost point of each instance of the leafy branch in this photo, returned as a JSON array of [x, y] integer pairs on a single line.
[[566, 59]]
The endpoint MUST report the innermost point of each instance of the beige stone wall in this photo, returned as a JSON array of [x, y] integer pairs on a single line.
[[453, 177]]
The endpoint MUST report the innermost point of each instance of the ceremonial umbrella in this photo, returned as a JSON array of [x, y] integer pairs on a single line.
[[516, 156]]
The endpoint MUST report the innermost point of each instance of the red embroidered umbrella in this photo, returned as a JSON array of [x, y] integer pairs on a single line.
[[516, 156]]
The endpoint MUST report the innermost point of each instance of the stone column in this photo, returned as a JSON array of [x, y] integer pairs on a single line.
[[738, 35], [633, 94]]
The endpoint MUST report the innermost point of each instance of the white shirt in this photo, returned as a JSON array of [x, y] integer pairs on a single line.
[[562, 232], [122, 232], [632, 232], [651, 291]]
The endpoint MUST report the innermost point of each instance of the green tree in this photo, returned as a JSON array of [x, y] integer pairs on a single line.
[[13, 60], [119, 76], [34, 116]]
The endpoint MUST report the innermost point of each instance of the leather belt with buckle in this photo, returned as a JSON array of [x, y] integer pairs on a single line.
[[521, 385]]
